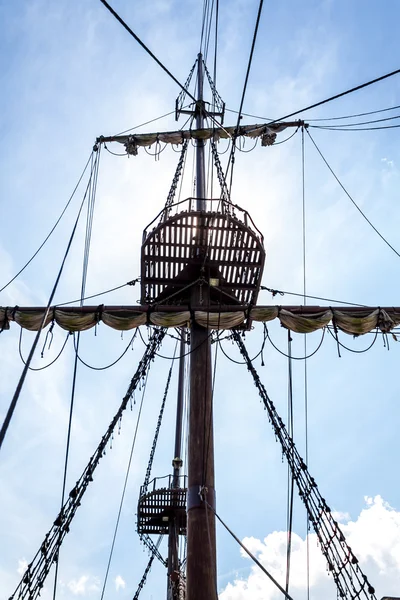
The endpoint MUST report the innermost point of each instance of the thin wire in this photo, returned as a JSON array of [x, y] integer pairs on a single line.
[[357, 124], [352, 349], [99, 294], [232, 154], [281, 293], [111, 364], [86, 253], [147, 122], [348, 128], [50, 363], [296, 357], [53, 228], [115, 153], [153, 56], [350, 198], [21, 381], [71, 408], [139, 41], [290, 493], [238, 362], [124, 488], [336, 96], [305, 348], [364, 114], [286, 139], [211, 12], [176, 357], [205, 5], [257, 562]]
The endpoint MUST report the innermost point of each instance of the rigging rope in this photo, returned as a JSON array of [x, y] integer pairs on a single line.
[[350, 198], [289, 474], [372, 112], [303, 194], [50, 363], [231, 159], [86, 252], [158, 427], [132, 283], [281, 293], [147, 570], [350, 91], [257, 562], [128, 468], [21, 381], [110, 364], [34, 577], [53, 228], [154, 57], [175, 181], [350, 581]]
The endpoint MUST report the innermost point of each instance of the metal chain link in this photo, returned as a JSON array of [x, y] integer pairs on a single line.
[[217, 100], [157, 432], [225, 195], [181, 98], [146, 571], [175, 181]]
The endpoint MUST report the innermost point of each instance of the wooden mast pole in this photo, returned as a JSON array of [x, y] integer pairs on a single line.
[[173, 569], [201, 545]]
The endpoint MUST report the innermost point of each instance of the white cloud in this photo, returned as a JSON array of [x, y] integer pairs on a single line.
[[340, 516], [374, 537], [85, 584], [22, 566], [119, 583]]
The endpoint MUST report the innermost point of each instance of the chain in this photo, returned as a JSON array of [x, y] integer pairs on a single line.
[[225, 196], [181, 98], [219, 103], [33, 579], [147, 571], [160, 416], [146, 539], [175, 181], [350, 581]]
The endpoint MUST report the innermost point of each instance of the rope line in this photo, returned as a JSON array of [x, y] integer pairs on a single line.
[[128, 468], [350, 198], [336, 96], [290, 479], [253, 558], [133, 282], [282, 293], [350, 580], [303, 190], [52, 229], [35, 575], [231, 159], [296, 357], [111, 364], [86, 253], [21, 381], [50, 363]]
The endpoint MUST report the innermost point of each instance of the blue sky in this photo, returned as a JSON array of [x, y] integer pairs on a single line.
[[68, 73]]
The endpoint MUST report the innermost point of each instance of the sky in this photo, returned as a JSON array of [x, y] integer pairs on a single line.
[[69, 73]]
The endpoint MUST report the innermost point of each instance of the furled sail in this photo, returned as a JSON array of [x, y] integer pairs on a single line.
[[266, 132], [300, 319]]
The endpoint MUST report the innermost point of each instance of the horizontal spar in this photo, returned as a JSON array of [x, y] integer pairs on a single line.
[[299, 319], [266, 132]]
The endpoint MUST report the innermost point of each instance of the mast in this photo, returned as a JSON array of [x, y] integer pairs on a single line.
[[173, 567], [201, 544]]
